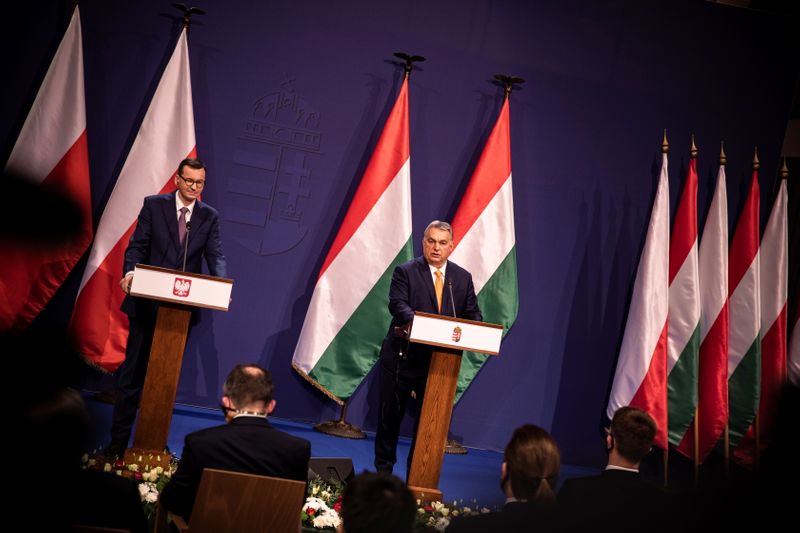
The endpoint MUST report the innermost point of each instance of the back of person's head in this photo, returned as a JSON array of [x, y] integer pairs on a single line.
[[377, 502], [248, 384], [633, 432], [532, 460]]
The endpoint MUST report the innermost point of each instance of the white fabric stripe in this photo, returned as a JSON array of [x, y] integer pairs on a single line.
[[356, 269], [745, 315], [774, 254], [58, 114], [684, 307], [649, 306], [165, 137], [794, 354], [713, 258], [490, 239]]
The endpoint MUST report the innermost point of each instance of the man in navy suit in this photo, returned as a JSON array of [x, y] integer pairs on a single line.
[[431, 284], [246, 443], [167, 225]]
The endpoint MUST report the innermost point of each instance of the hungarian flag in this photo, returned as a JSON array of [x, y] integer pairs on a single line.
[[774, 257], [485, 243], [348, 313], [641, 376], [683, 341], [51, 152], [744, 348], [166, 136], [712, 386]]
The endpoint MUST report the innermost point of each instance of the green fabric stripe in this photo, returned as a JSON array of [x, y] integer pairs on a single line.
[[743, 393], [499, 303], [682, 388], [356, 347]]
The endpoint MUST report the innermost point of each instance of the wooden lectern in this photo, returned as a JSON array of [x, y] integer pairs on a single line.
[[179, 292], [450, 337]]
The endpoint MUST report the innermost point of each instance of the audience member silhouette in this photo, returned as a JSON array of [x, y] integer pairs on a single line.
[[246, 443], [377, 503], [618, 498], [529, 473]]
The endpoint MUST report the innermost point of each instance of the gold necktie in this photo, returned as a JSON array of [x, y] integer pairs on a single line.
[[438, 286]]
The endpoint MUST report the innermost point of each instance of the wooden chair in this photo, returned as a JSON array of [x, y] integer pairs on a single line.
[[234, 501]]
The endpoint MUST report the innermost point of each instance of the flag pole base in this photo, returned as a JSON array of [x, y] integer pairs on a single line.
[[454, 448], [341, 427]]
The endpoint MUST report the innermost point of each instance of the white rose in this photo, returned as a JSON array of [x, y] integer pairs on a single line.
[[159, 470], [133, 467], [107, 467], [441, 524]]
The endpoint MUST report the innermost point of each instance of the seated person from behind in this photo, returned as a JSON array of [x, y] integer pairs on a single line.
[[529, 473], [377, 503], [246, 443]]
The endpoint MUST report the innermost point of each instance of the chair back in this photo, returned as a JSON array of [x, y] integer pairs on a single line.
[[235, 501]]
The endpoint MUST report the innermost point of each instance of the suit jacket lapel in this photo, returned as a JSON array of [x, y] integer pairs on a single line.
[[427, 281]]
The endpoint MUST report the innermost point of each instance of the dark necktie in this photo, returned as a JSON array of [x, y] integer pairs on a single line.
[[182, 224]]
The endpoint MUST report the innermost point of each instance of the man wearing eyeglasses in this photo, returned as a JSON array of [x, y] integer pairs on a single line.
[[168, 225]]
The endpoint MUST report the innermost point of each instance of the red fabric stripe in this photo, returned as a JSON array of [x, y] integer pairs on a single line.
[[29, 276], [390, 154], [684, 231], [746, 239], [773, 377], [491, 172], [652, 393], [712, 408], [98, 328]]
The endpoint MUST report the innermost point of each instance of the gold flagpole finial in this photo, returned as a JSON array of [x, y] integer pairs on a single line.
[[664, 143], [723, 159], [756, 163], [693, 149], [784, 173]]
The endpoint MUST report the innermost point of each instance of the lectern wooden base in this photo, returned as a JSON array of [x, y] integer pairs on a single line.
[[426, 495], [437, 408]]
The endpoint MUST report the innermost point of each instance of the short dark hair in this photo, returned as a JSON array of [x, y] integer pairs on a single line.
[[247, 384], [191, 162], [375, 502], [532, 461], [633, 431]]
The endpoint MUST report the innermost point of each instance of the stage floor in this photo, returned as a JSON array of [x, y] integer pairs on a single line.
[[470, 478]]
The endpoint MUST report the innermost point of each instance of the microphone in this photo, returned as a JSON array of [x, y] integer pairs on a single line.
[[186, 245], [452, 302]]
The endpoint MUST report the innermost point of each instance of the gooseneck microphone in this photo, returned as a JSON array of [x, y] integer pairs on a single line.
[[186, 244], [452, 302]]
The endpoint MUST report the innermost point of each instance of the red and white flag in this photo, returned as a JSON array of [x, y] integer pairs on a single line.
[[166, 136], [51, 151], [641, 376]]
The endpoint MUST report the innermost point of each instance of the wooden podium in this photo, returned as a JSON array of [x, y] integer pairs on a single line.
[[450, 337], [179, 292]]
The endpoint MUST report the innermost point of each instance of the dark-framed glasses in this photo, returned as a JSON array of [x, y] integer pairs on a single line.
[[191, 182]]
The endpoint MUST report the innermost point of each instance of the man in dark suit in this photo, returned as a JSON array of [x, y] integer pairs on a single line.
[[618, 498], [247, 443], [167, 225], [430, 284]]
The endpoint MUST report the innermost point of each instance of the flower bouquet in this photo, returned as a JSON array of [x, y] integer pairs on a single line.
[[323, 504]]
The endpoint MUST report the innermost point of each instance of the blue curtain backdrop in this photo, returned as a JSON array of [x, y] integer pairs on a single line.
[[604, 79]]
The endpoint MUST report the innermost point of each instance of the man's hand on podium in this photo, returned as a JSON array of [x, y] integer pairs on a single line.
[[125, 283], [403, 331]]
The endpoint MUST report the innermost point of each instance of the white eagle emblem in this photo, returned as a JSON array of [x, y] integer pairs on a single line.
[[182, 287]]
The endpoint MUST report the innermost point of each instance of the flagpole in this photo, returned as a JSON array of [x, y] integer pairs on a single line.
[[757, 419], [665, 150], [341, 427], [696, 426], [726, 447]]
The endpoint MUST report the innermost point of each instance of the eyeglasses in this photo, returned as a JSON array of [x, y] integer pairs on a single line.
[[197, 183]]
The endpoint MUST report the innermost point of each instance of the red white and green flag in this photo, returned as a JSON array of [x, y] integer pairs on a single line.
[[712, 386], [683, 340], [640, 379], [348, 313], [485, 242], [166, 136], [774, 257], [51, 152], [744, 348]]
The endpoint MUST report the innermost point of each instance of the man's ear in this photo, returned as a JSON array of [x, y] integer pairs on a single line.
[[270, 407], [609, 442], [503, 470], [226, 401]]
